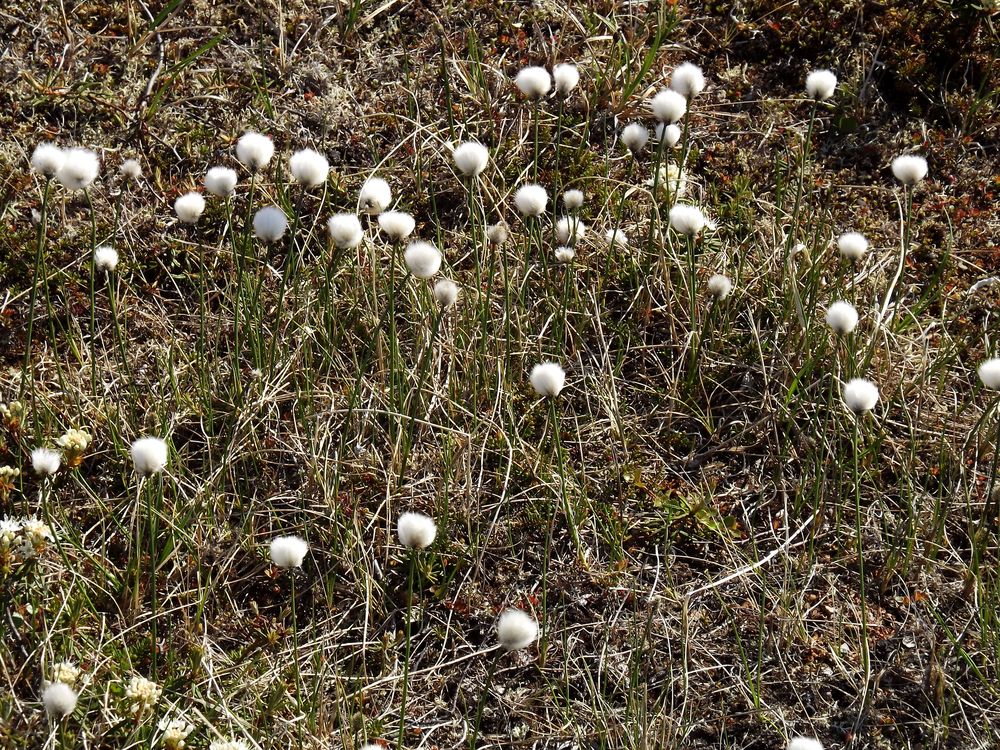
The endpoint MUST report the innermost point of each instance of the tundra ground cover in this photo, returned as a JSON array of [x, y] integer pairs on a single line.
[[686, 371]]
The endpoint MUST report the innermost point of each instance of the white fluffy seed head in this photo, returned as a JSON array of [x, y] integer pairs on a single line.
[[669, 134], [105, 259], [566, 76], [149, 455], [820, 85], [422, 259], [516, 630], [375, 196], [130, 169], [616, 238], [288, 551], [47, 159], [534, 82], [719, 286], [269, 224], [497, 233], [804, 743], [860, 395], [687, 80], [909, 168], [570, 230], [415, 530], [842, 317], [531, 200], [471, 158], [989, 373], [635, 137], [852, 245], [669, 106], [189, 207], [565, 254], [45, 461], [59, 699], [254, 150], [396, 225], [345, 230], [79, 168], [446, 292], [221, 181], [548, 379], [686, 219], [572, 199], [309, 167]]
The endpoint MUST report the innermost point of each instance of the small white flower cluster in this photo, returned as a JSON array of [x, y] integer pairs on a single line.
[[74, 443], [22, 540], [174, 732], [142, 694]]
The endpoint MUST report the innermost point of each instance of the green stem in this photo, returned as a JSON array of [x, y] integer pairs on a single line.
[[406, 661]]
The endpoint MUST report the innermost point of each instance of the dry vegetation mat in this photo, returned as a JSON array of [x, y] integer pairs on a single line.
[[499, 374]]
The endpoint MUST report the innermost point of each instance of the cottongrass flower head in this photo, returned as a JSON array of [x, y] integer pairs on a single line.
[[415, 530], [572, 199], [422, 259], [174, 731], [989, 373], [105, 258], [534, 82], [565, 254], [309, 167], [269, 224], [471, 158], [189, 207], [842, 317], [909, 169], [516, 630], [860, 395], [804, 743], [45, 461], [569, 230], [59, 699], [668, 134], [79, 169], [221, 181], [47, 159], [719, 286], [254, 150], [531, 200], [669, 106], [820, 85], [375, 195], [446, 292], [143, 694], [635, 136], [566, 76], [685, 219], [288, 551], [548, 379], [396, 225], [497, 233], [687, 80], [130, 169], [852, 245], [345, 230], [149, 455], [616, 238]]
